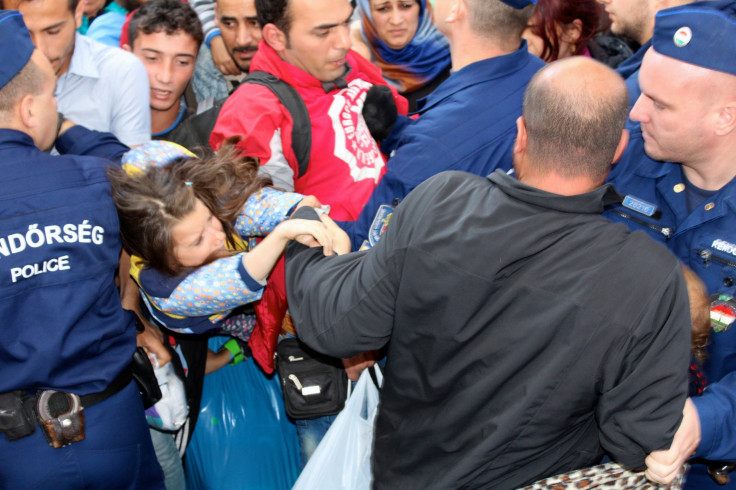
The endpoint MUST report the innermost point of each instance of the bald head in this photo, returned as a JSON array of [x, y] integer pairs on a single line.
[[574, 113]]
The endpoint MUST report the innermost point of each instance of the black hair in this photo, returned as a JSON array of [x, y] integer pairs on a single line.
[[169, 16]]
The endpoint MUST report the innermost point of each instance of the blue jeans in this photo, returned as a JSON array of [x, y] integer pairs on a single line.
[[169, 459], [310, 434]]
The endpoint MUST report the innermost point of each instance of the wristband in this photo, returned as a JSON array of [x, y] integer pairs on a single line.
[[236, 353]]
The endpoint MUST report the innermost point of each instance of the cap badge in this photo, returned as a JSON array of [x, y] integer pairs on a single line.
[[682, 37]]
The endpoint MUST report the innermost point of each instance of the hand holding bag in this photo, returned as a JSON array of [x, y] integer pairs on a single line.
[[343, 458]]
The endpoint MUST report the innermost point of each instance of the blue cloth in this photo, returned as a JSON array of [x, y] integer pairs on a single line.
[[108, 27], [106, 89], [691, 32], [629, 70], [468, 123], [63, 326], [425, 57], [705, 240], [115, 453], [13, 32]]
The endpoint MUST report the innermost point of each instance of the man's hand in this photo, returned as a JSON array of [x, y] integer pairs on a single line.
[[152, 340], [663, 466], [221, 58], [355, 365]]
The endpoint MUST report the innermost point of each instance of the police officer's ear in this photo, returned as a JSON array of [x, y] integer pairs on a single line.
[[275, 37], [726, 122]]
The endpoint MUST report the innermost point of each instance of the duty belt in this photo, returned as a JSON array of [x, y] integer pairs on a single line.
[[59, 414]]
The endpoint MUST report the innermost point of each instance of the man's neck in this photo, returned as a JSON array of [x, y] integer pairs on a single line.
[[162, 120], [469, 48], [557, 184], [713, 174]]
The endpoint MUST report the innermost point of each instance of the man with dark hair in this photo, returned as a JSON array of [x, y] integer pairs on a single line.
[[99, 87], [70, 414], [526, 333], [468, 122], [679, 178], [313, 56], [165, 35]]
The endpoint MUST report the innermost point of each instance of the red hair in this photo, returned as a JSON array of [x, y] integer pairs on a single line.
[[549, 14]]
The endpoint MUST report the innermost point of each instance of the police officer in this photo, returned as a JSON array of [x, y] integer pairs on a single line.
[[680, 180], [70, 416]]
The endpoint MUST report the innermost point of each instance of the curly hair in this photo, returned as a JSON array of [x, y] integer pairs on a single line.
[[150, 204], [168, 16]]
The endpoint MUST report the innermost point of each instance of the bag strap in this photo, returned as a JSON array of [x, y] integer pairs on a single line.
[[301, 132]]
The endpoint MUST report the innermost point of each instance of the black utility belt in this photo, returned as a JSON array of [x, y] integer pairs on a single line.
[[60, 414]]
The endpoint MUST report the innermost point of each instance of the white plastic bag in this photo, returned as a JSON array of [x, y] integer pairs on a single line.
[[343, 458], [172, 410]]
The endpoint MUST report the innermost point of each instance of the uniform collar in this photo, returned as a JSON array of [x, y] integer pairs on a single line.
[[16, 138], [592, 202], [633, 63], [476, 73]]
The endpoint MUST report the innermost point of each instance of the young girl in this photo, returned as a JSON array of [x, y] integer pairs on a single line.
[[191, 228]]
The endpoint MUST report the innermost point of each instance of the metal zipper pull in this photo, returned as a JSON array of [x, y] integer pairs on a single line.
[[296, 382]]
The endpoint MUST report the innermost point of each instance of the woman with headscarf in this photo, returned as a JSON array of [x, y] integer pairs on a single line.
[[398, 36]]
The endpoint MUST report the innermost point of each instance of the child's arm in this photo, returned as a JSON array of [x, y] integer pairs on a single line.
[[260, 261], [265, 209]]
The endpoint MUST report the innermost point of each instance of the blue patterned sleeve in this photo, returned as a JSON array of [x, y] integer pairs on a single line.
[[215, 288], [264, 210]]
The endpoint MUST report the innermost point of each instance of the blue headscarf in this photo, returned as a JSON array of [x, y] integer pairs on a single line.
[[416, 64]]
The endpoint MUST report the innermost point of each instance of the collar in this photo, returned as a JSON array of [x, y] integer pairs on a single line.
[[115, 7], [179, 117], [83, 58], [633, 62], [592, 202], [479, 72], [14, 137], [338, 83]]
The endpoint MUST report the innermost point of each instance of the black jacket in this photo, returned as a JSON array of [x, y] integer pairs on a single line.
[[527, 333]]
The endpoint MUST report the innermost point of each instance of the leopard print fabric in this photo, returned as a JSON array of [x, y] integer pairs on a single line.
[[604, 476]]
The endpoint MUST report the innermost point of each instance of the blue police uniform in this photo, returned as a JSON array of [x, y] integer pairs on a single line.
[[63, 325], [468, 123], [702, 232], [629, 70], [705, 240]]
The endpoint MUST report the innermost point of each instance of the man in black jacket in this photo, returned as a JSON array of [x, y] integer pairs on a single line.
[[527, 334]]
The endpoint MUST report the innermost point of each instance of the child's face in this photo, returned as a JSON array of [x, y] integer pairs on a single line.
[[198, 237]]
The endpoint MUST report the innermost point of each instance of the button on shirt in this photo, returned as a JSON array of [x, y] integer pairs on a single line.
[[106, 89]]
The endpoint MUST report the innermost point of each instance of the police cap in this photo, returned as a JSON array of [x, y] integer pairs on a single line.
[[700, 33], [16, 44]]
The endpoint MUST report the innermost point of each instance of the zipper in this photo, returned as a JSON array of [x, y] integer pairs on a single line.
[[296, 382], [707, 256], [667, 232]]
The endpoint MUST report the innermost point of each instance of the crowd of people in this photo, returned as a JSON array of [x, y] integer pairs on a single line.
[[519, 209]]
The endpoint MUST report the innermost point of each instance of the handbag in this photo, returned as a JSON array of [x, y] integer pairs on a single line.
[[342, 459], [608, 476], [313, 384]]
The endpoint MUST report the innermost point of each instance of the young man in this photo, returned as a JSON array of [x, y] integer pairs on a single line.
[[469, 122], [679, 177], [99, 87], [306, 43], [66, 339], [526, 333], [165, 35]]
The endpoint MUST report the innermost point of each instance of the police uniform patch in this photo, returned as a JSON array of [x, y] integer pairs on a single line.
[[380, 222], [722, 312]]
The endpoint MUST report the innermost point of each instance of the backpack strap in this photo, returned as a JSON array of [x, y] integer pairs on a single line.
[[301, 132]]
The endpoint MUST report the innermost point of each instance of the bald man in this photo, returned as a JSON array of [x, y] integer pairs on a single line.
[[528, 334]]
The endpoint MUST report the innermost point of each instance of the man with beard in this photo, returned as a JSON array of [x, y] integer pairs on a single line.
[[232, 33], [99, 87], [635, 19]]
